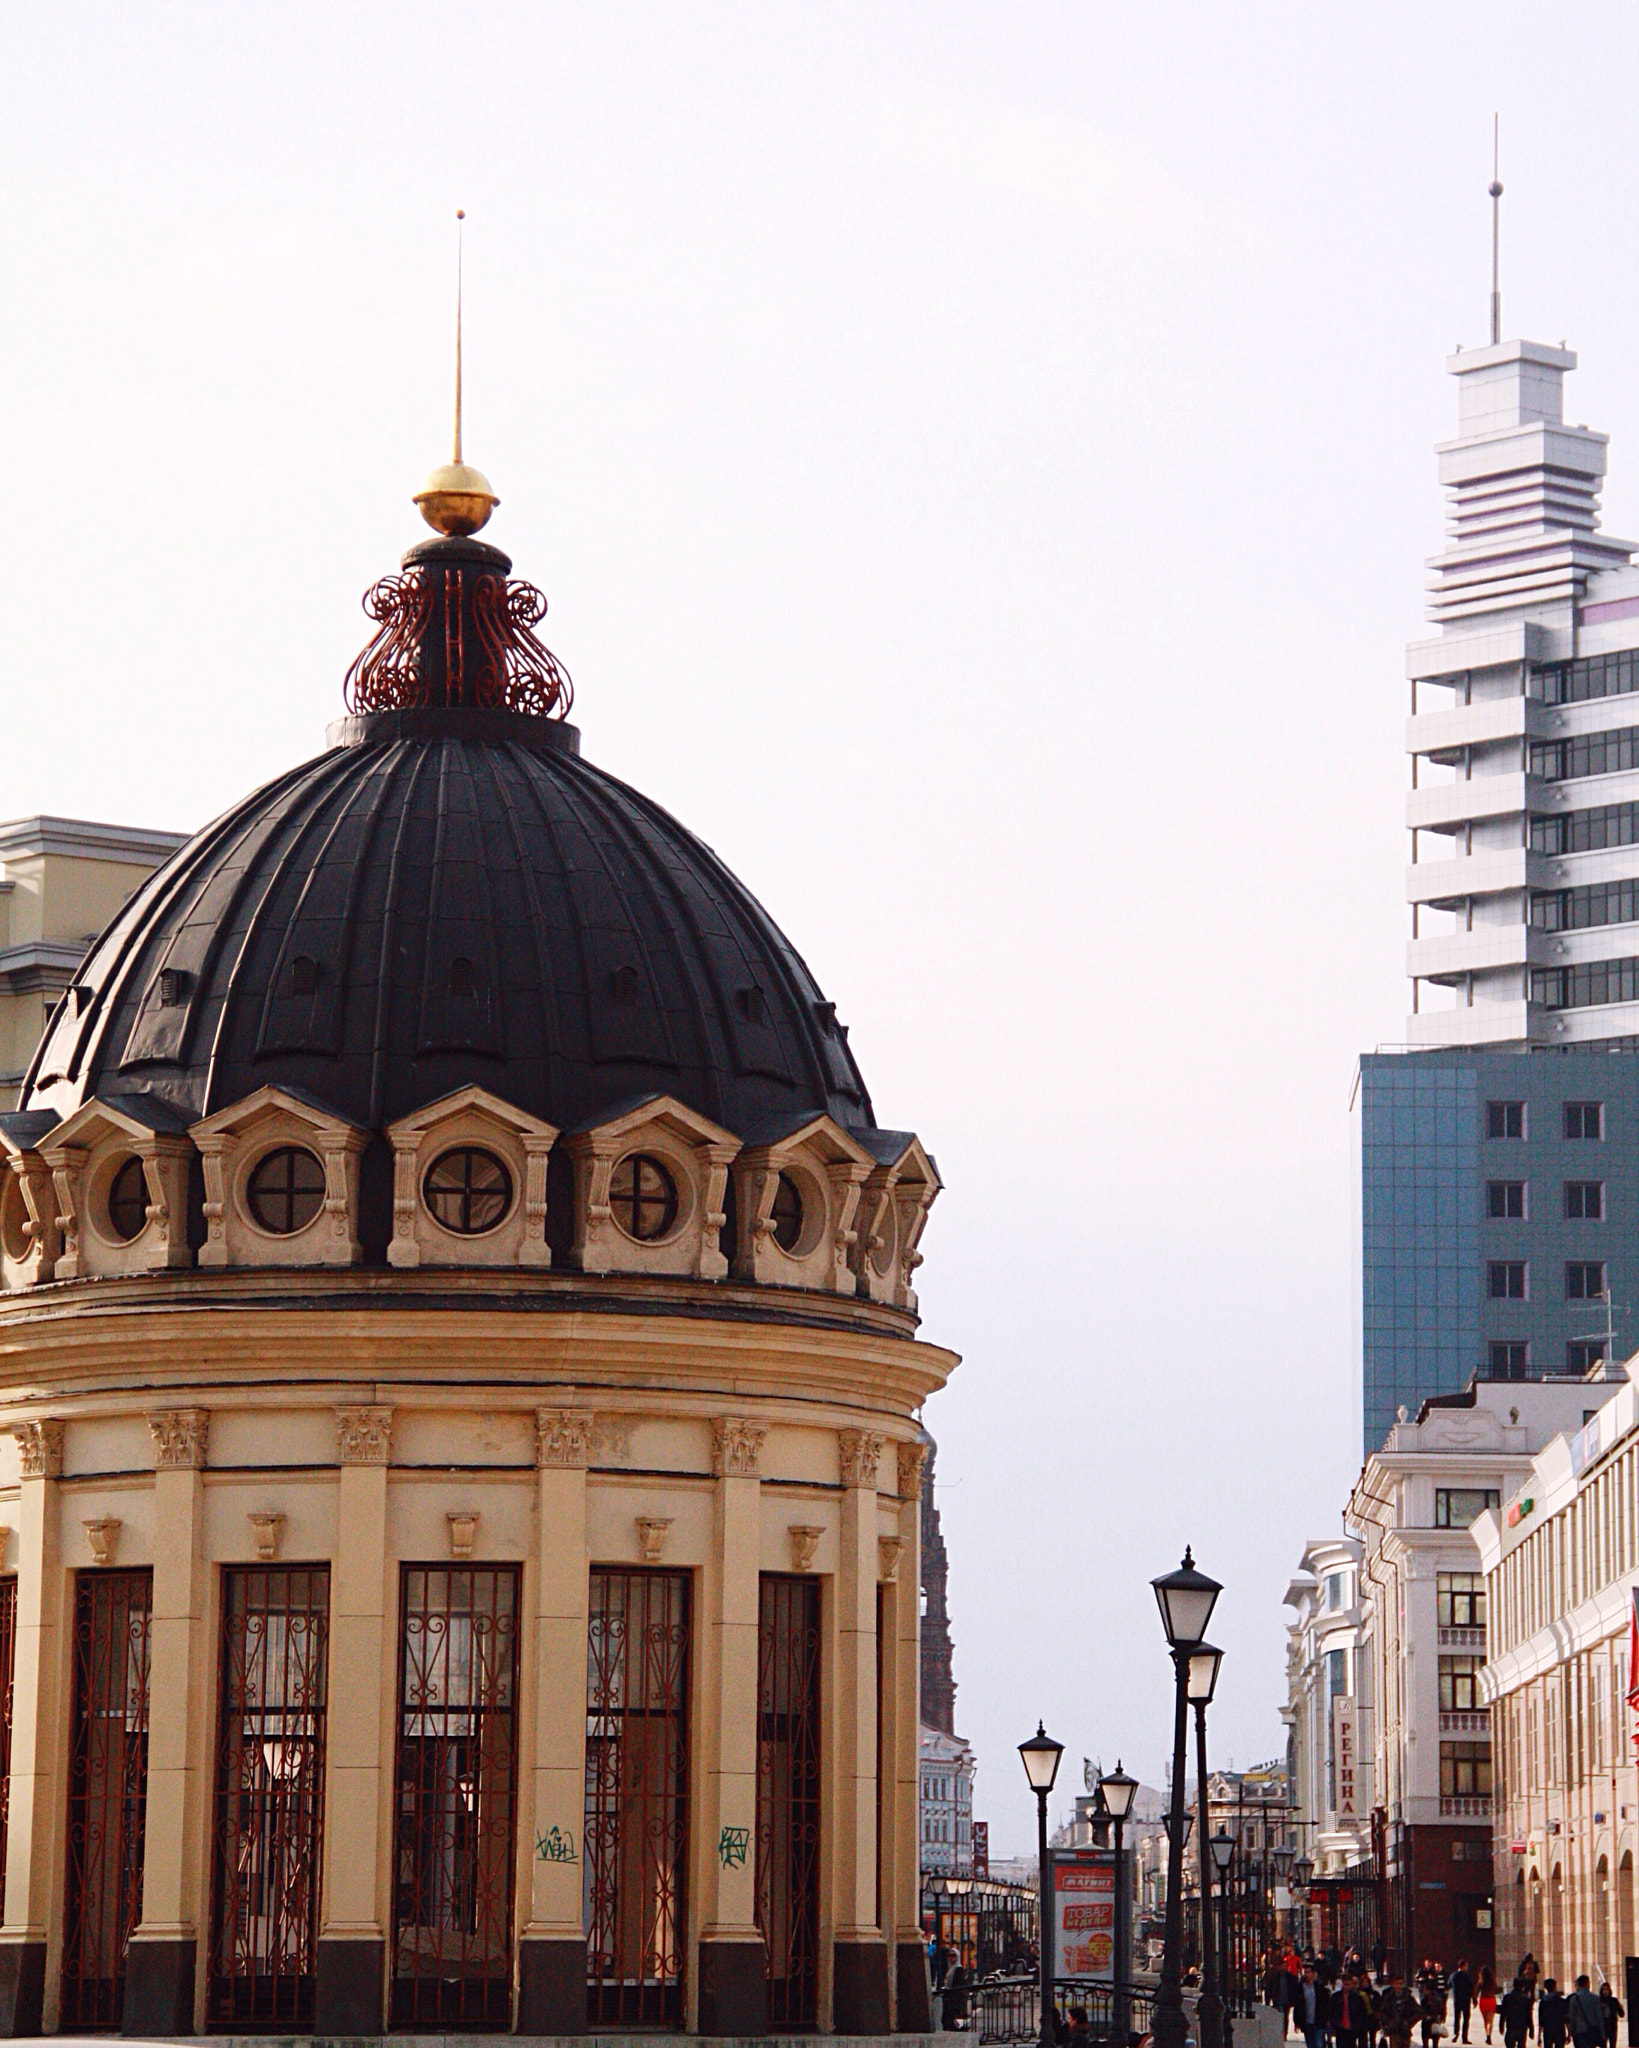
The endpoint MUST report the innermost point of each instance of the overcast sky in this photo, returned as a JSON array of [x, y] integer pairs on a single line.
[[980, 462]]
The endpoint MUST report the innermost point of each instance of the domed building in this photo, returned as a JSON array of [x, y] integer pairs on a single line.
[[460, 1384]]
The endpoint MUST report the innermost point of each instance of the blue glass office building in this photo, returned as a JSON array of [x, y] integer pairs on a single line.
[[1499, 1219]]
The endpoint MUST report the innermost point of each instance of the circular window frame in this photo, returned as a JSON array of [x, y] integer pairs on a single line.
[[247, 1198], [811, 1221], [886, 1249], [677, 1181], [473, 1149], [102, 1208], [15, 1243]]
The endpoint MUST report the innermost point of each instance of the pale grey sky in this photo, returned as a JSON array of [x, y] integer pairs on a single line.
[[980, 462]]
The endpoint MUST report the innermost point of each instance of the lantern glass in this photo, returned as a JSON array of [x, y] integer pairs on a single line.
[[1118, 1791], [1203, 1674], [1040, 1756], [1186, 1598]]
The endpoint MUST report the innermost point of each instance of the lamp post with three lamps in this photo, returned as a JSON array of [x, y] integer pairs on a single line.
[[1041, 1766], [1186, 1598], [1203, 1665]]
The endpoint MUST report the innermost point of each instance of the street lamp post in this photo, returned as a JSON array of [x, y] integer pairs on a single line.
[[1302, 1870], [1118, 1790], [1186, 1598], [1223, 1856], [1041, 1766], [1204, 1661], [1283, 1871]]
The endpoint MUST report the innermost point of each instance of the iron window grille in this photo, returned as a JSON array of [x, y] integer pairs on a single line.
[[635, 1829], [269, 1822], [788, 1795], [107, 1792], [456, 1782]]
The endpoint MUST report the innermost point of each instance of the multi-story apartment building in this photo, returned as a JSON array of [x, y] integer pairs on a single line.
[[947, 1766], [1329, 1707], [1412, 1508], [1561, 1559], [61, 881]]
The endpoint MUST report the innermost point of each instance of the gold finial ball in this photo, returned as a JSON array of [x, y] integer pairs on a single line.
[[456, 499]]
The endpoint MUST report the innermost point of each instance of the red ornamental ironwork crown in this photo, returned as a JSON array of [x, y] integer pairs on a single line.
[[454, 630]]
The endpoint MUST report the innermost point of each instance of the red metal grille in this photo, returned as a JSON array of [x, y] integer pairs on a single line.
[[457, 1797], [8, 1677], [107, 1792], [636, 1827], [269, 1796], [788, 1795], [457, 636]]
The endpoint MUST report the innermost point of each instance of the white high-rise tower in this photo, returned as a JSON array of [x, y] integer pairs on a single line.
[[1524, 733]]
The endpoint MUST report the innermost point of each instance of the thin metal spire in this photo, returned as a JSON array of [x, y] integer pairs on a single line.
[[460, 216], [1496, 238]]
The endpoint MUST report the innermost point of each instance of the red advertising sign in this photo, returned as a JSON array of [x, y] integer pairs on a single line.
[[1084, 1914]]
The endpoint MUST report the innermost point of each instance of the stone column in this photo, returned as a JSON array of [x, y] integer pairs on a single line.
[[732, 1978], [161, 1964], [552, 1950], [859, 1967], [351, 1973], [913, 2001], [33, 1835]]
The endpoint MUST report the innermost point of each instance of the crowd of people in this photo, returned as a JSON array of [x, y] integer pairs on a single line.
[[1337, 2000]]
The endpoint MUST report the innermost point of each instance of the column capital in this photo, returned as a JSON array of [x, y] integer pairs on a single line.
[[181, 1438], [912, 1457], [41, 1444], [859, 1453], [364, 1436], [736, 1447], [563, 1436]]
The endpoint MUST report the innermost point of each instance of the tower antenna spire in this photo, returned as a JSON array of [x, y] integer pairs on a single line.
[[460, 236], [1496, 243]]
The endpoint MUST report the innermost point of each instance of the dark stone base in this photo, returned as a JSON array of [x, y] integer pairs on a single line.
[[915, 2013], [348, 1978], [551, 1987], [859, 1988], [733, 1988], [159, 1982], [22, 1988]]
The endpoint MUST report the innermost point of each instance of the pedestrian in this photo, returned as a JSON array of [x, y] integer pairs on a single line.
[[1080, 2034], [1380, 1956], [1462, 2001], [1553, 2015], [1398, 2012], [1530, 1970], [1309, 2008], [1587, 2016], [1350, 2016], [1516, 2013], [1613, 2012], [1487, 1995], [1431, 1993]]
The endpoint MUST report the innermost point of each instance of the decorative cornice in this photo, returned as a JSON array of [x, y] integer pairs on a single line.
[[181, 1438], [859, 1452], [364, 1436], [912, 1457], [736, 1447], [41, 1444], [563, 1436]]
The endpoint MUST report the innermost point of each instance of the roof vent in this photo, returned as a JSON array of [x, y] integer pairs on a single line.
[[623, 987], [752, 1004], [173, 986], [304, 974]]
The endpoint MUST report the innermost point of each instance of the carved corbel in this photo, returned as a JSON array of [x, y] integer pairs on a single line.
[[805, 1538]]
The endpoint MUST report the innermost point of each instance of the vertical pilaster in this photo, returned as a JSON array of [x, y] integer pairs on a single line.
[[913, 2000], [161, 1964], [732, 1977], [552, 1951], [859, 1956], [32, 1902], [350, 1977]]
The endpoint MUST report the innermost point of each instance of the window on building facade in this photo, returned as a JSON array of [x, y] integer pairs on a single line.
[[1592, 753], [1590, 831], [1586, 987], [1334, 1590], [1465, 1770], [1582, 1354], [1459, 1507], [1505, 1119], [1594, 675], [1459, 1599], [1506, 1279], [1459, 1685], [1510, 1358], [1585, 1201], [1585, 1120], [1505, 1199], [1585, 1280]]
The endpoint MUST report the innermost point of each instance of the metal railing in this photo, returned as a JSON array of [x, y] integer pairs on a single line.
[[1007, 2009]]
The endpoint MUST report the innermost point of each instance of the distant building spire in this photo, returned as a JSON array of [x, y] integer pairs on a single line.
[[1496, 264]]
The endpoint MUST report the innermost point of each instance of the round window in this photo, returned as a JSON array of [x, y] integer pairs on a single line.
[[14, 1237], [468, 1191], [285, 1190], [643, 1196], [128, 1201], [787, 1214]]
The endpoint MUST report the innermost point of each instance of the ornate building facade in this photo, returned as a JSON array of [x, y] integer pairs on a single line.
[[462, 1469]]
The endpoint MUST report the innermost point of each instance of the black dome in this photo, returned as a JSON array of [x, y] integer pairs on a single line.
[[450, 895]]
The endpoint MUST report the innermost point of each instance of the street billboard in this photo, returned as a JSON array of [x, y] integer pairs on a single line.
[[1084, 1914]]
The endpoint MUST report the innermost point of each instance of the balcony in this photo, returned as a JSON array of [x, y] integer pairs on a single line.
[[1464, 1806], [1442, 806], [1462, 1639], [1465, 1721]]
